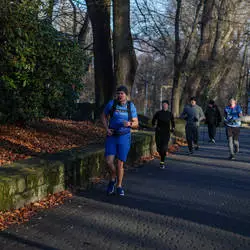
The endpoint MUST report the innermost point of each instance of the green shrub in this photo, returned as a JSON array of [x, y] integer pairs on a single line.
[[41, 69]]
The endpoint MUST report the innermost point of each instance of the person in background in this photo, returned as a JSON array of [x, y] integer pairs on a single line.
[[163, 118], [213, 119], [118, 117], [193, 114], [232, 114]]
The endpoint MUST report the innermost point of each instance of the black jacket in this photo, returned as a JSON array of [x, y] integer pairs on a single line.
[[163, 118], [213, 115]]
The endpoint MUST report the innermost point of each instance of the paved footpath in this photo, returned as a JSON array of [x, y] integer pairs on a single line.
[[198, 202]]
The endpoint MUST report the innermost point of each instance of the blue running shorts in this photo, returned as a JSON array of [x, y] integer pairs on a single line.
[[118, 145]]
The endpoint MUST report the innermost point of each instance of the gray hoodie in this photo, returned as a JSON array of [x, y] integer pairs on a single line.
[[193, 115]]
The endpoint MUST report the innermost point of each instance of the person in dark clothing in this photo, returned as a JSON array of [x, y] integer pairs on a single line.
[[162, 131], [213, 119]]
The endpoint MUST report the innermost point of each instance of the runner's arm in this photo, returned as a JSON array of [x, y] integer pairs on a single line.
[[134, 123], [240, 112], [155, 118], [202, 116], [184, 114], [104, 119]]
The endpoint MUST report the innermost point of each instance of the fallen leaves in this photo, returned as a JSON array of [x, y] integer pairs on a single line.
[[96, 179], [173, 148], [145, 159], [47, 136], [156, 155], [142, 160], [51, 136], [181, 142], [24, 214]]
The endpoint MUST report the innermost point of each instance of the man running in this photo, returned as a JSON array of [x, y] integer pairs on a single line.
[[193, 114], [213, 119], [162, 132], [232, 114], [118, 117]]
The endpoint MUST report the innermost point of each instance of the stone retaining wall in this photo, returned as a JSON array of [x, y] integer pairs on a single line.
[[30, 180]]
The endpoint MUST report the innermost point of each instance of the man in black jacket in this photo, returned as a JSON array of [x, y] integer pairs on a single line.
[[162, 132], [213, 119]]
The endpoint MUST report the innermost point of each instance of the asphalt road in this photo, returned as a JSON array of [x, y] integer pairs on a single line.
[[198, 202]]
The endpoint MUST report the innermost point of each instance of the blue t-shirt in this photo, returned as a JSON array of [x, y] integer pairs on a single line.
[[119, 116], [232, 118]]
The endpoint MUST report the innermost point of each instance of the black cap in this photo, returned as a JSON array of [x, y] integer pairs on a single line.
[[165, 101], [211, 102], [193, 98], [123, 89]]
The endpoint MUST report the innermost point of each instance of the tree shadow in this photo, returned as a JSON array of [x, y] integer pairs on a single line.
[[110, 219], [151, 189], [191, 211], [26, 242]]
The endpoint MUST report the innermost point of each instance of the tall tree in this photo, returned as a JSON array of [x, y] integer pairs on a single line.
[[221, 40], [82, 36], [99, 14], [51, 4], [125, 62], [74, 19], [180, 58], [209, 40], [200, 68], [176, 94], [242, 74]]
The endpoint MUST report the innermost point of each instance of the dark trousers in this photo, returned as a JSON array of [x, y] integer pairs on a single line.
[[233, 139], [192, 135], [162, 140], [211, 130]]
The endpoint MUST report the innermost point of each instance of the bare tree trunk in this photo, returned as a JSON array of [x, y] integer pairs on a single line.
[[175, 100], [99, 13], [200, 72], [247, 82], [176, 94], [155, 98], [218, 33], [206, 31], [215, 55], [74, 19], [51, 4], [83, 32], [180, 63], [242, 74], [125, 62]]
